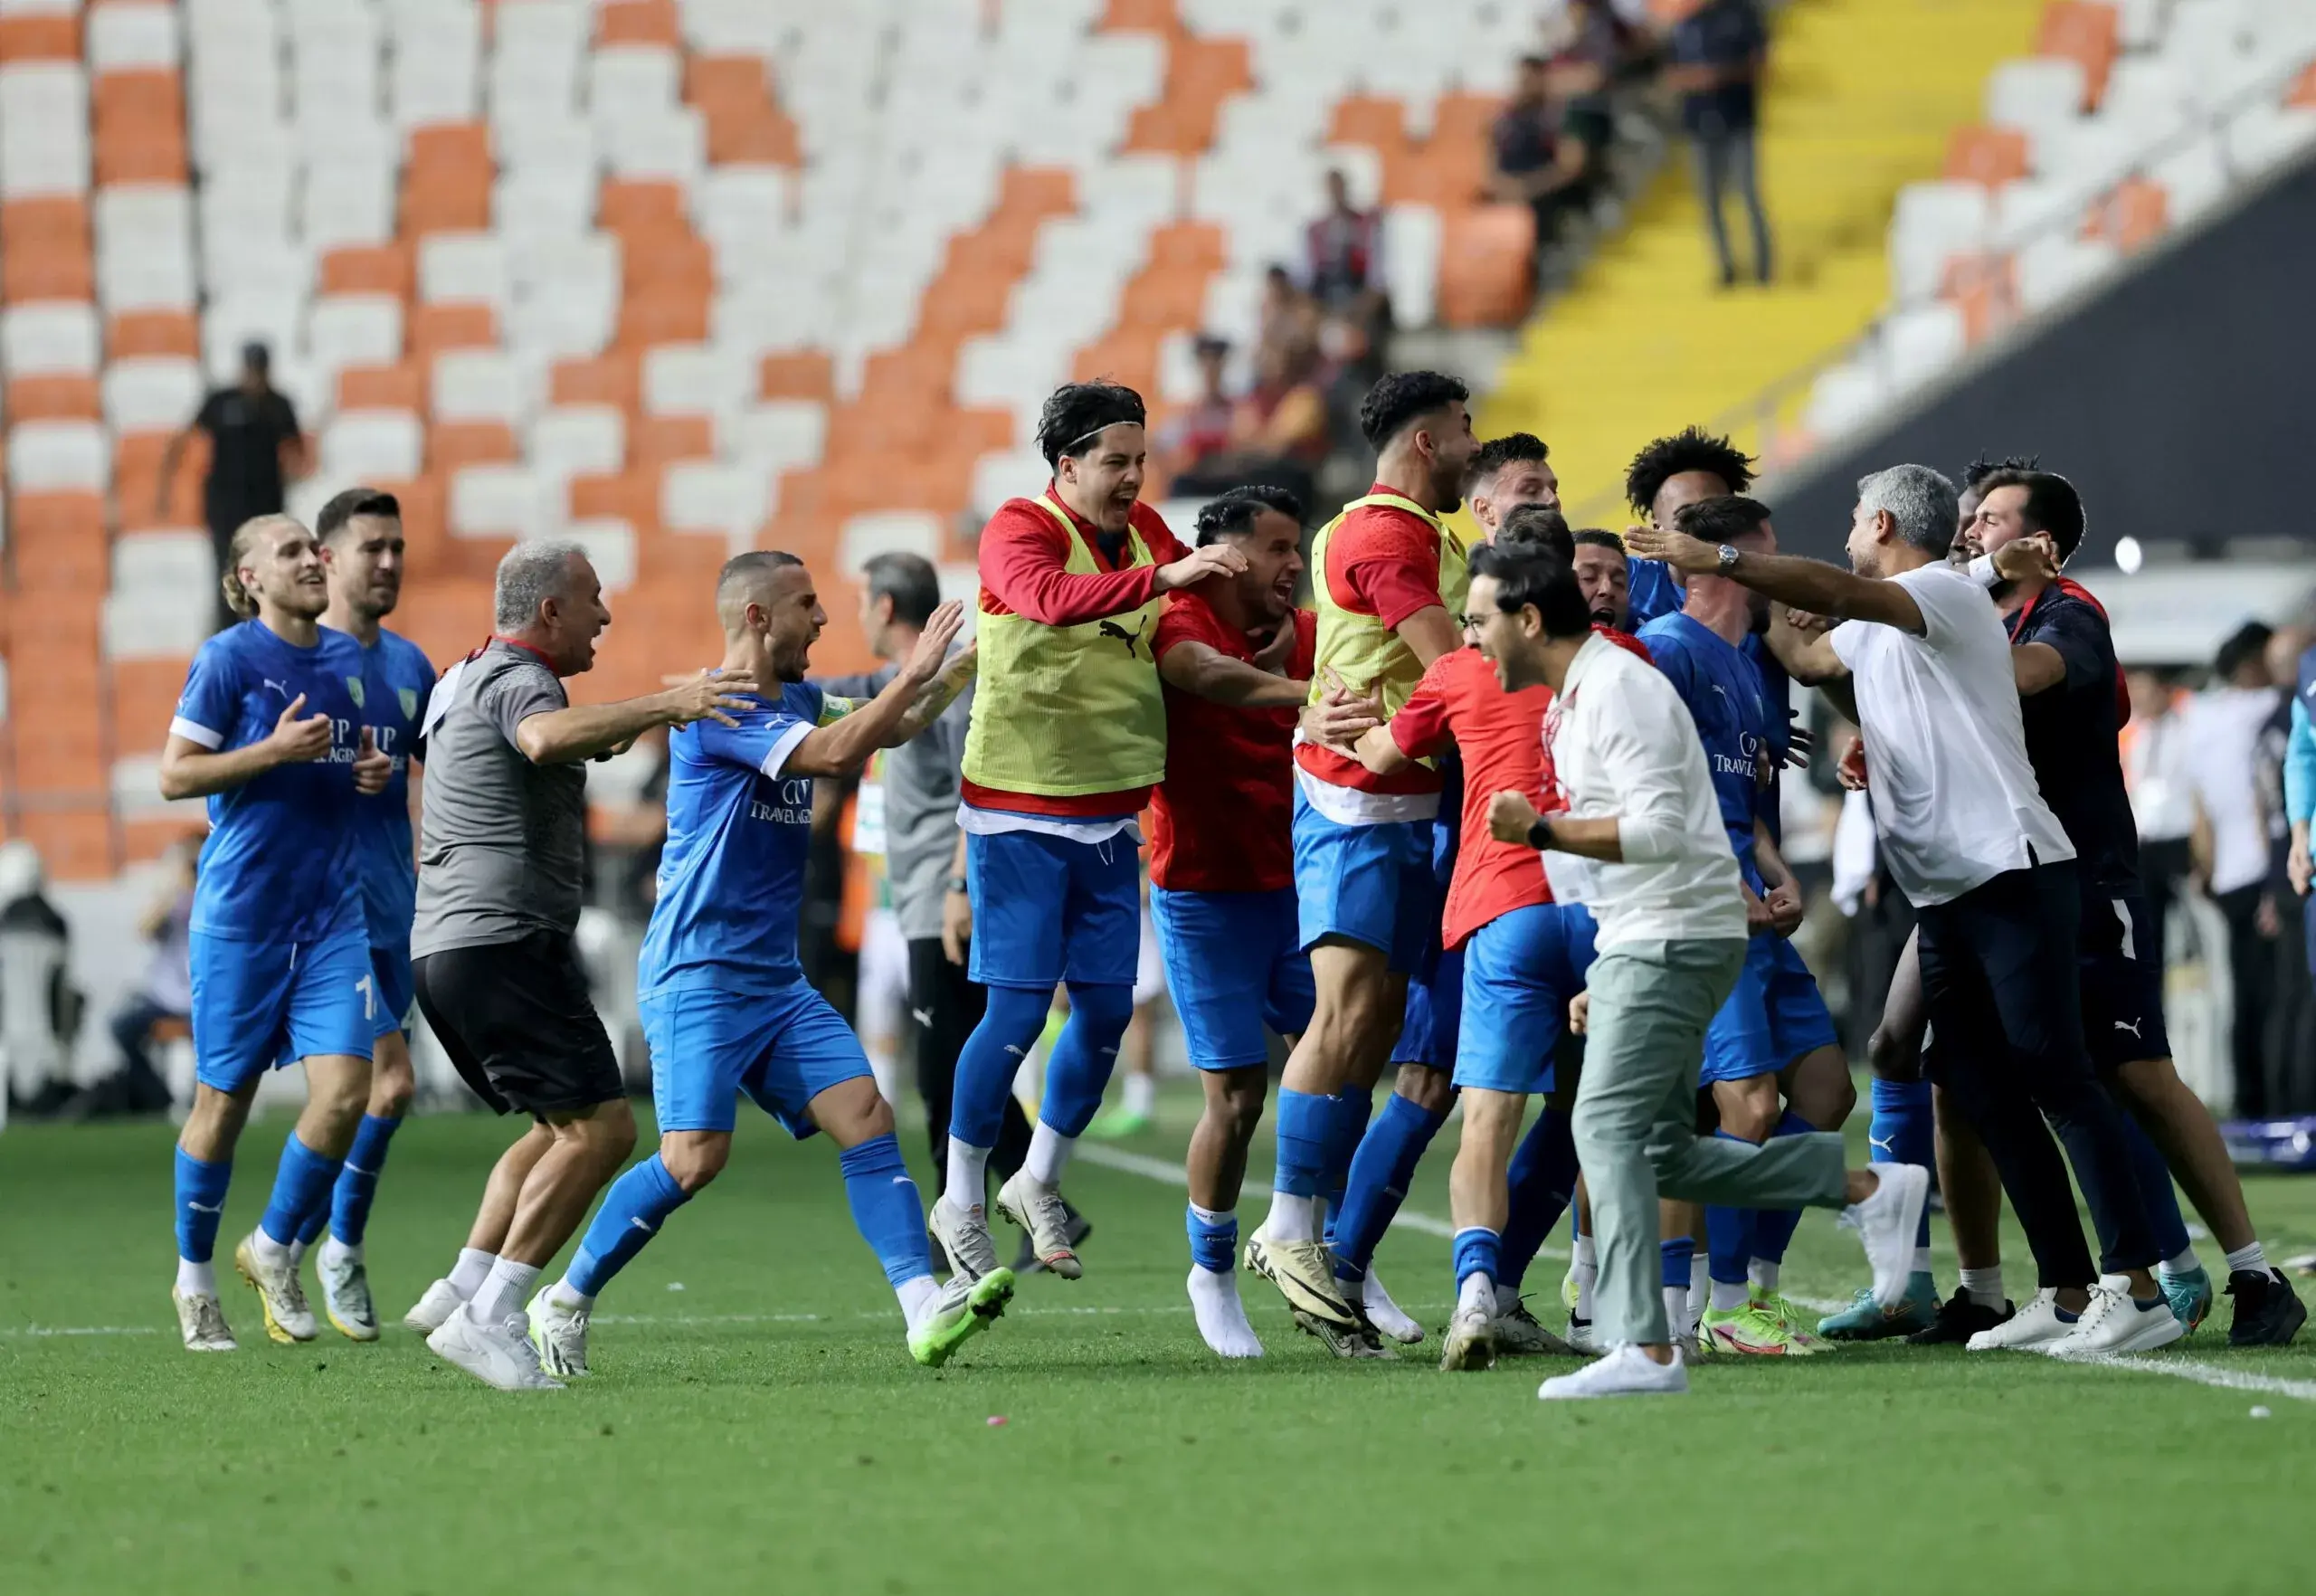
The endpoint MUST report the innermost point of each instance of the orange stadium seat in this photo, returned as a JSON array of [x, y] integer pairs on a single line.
[[1483, 265], [2133, 216], [135, 473], [452, 444], [54, 398], [39, 36], [154, 332], [367, 268], [639, 22], [1990, 156], [432, 328], [401, 387], [632, 496], [662, 440], [614, 379], [144, 697], [2087, 34]]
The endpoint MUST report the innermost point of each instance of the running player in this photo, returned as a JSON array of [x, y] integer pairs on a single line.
[[724, 1003], [360, 531], [1390, 579], [1774, 1022], [268, 731], [502, 858], [1067, 738], [1222, 865], [1522, 957]]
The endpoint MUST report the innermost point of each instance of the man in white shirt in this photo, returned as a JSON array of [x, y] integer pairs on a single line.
[[2233, 840], [1654, 865], [1927, 667]]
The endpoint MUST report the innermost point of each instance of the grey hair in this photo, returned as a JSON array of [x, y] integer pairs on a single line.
[[1922, 501], [533, 571]]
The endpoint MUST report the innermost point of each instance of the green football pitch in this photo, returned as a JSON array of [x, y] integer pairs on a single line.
[[754, 1423]]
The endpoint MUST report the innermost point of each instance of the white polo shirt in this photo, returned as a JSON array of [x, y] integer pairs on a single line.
[[1955, 801]]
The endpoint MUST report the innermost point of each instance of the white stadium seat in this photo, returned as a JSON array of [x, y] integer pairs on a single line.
[[480, 385], [578, 440], [151, 393], [495, 501], [373, 446], [59, 456], [49, 340], [702, 495]]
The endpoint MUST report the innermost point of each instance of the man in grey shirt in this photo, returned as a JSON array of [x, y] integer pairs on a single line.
[[924, 856], [501, 840]]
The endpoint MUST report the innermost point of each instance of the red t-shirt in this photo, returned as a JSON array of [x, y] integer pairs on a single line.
[[1223, 819], [1382, 562], [1498, 734], [1023, 554]]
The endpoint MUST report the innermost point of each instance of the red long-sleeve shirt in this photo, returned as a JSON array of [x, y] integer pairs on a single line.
[[1024, 555]]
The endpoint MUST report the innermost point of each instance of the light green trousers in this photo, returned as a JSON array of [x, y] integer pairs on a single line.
[[1635, 1124]]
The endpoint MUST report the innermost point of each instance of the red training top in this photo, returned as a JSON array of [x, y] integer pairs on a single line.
[[1222, 821], [1382, 562], [1022, 556]]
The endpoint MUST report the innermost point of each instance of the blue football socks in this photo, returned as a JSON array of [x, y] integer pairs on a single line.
[[1903, 1130], [992, 1055], [201, 1205], [885, 1207], [301, 1188], [1378, 1183], [1214, 1239], [1303, 1119], [1084, 1056], [1773, 1228], [347, 1214], [1476, 1250], [632, 1213], [1346, 1129]]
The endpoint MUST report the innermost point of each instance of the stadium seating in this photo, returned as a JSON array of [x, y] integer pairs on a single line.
[[2128, 120], [673, 277]]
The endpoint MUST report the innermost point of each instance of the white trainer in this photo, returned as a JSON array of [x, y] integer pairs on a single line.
[[498, 1355], [432, 1310], [1039, 1211], [2114, 1323], [1885, 1223], [2035, 1327], [558, 1332], [280, 1295], [1222, 1320], [1388, 1319], [1470, 1341], [1519, 1335], [965, 1237], [202, 1320], [1627, 1371], [346, 1292]]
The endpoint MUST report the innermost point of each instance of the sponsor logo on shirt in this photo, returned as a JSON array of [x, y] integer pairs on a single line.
[[408, 698], [792, 807], [353, 687]]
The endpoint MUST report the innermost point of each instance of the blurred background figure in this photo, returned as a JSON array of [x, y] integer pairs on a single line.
[[1192, 442], [1342, 255], [256, 450], [39, 1010], [1531, 162], [2226, 725], [1716, 54], [2158, 756], [162, 1000]]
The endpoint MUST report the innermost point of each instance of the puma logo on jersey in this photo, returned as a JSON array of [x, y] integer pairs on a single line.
[[280, 686], [923, 1016], [1112, 629], [2130, 1025]]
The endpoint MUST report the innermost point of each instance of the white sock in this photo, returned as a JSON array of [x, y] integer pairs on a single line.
[[1920, 1265], [1222, 1317], [336, 1253], [470, 1271], [2186, 1263], [1142, 1095], [1479, 1292], [1292, 1219], [2250, 1258], [1582, 1254], [1676, 1310], [917, 1297], [196, 1279], [1762, 1273], [1507, 1297], [298, 1251], [564, 1294], [1700, 1287], [1049, 1155], [1726, 1296], [1583, 1309], [968, 1188], [1984, 1286], [267, 1251], [504, 1292]]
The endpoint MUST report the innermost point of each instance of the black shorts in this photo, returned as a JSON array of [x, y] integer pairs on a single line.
[[2121, 982], [517, 1020]]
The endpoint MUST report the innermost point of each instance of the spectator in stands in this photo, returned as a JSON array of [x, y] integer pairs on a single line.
[[1532, 164], [1278, 430], [2158, 751], [1342, 255], [1716, 54], [256, 450], [39, 1010], [2225, 727], [1200, 431], [1289, 316], [1596, 49], [165, 994]]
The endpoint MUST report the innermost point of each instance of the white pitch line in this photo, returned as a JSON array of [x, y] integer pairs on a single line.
[[2210, 1374]]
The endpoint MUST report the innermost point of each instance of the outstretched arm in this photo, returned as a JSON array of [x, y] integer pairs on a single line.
[[1195, 668], [1807, 584]]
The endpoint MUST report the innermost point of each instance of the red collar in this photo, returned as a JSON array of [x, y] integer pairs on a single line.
[[515, 642]]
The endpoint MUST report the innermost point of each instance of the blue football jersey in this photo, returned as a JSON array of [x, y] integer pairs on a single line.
[[280, 864], [731, 881], [396, 679], [1723, 689], [1651, 592]]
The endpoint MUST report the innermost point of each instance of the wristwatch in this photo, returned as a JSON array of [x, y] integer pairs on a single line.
[[1728, 559], [958, 884], [1540, 835]]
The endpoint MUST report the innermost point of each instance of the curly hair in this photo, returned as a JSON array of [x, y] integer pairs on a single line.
[[1692, 449], [1401, 396]]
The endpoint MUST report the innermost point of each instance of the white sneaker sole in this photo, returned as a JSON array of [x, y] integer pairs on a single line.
[[455, 1349], [2160, 1330]]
